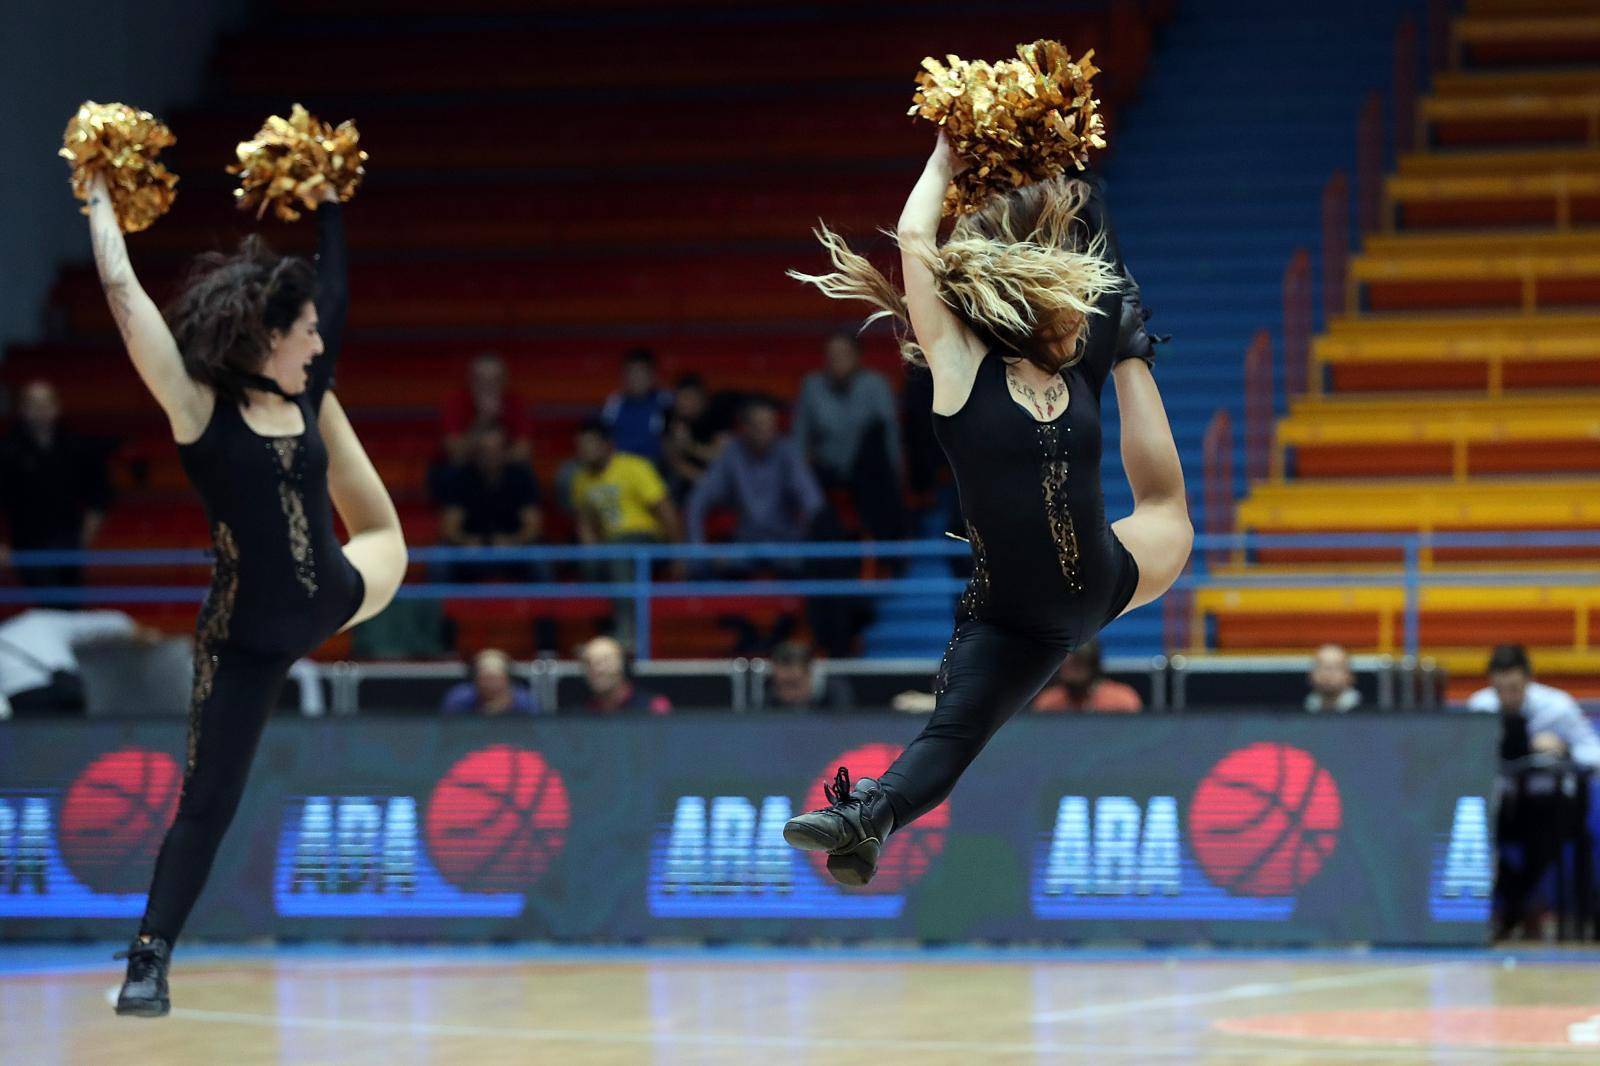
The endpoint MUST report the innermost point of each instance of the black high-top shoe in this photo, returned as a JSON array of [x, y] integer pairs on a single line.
[[144, 992], [851, 829]]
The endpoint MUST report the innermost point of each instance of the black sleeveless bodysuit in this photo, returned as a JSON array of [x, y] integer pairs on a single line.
[[1048, 573], [1045, 561], [281, 583]]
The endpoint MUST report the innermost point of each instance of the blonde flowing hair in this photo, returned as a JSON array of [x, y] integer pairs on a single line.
[[1023, 272]]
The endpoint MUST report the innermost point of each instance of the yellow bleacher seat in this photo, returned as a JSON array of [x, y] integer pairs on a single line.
[[1479, 83], [1516, 162], [1404, 435], [1528, 277], [1423, 505], [1478, 244], [1476, 353], [1374, 616], [1558, 197]]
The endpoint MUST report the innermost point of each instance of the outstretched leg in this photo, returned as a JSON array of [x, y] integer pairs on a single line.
[[231, 705], [987, 675], [377, 548], [1158, 533]]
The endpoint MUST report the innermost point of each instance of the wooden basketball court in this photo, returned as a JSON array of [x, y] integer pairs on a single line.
[[490, 1006]]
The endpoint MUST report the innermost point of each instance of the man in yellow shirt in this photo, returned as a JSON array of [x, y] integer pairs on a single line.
[[619, 499]]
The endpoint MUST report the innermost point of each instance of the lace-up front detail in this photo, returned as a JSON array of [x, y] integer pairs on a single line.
[[839, 791]]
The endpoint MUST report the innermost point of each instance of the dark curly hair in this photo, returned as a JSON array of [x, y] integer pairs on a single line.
[[230, 303]]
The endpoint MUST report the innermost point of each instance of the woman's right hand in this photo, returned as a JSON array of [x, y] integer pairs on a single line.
[[945, 157], [98, 186]]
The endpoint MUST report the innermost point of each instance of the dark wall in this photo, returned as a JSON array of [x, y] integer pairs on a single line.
[[54, 54]]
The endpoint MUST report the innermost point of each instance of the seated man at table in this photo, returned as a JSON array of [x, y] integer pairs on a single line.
[[610, 689], [1555, 724], [797, 685], [1547, 750], [1081, 687], [1333, 687], [490, 691]]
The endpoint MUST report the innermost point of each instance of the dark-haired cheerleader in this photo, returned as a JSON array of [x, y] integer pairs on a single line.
[[1020, 315], [244, 376]]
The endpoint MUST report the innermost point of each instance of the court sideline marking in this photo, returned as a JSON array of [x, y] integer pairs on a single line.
[[1254, 990]]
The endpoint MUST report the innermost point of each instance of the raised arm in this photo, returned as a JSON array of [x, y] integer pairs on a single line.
[[1133, 340], [333, 292], [144, 332], [952, 350]]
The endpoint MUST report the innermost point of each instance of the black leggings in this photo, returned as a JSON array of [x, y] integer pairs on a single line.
[[224, 727], [989, 673]]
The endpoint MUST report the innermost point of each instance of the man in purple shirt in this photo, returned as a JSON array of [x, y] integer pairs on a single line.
[[762, 476], [491, 691]]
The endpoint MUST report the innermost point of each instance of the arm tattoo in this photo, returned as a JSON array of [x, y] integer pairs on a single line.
[[116, 273]]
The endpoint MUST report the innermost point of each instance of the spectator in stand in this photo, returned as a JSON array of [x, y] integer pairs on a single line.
[[491, 501], [1333, 689], [1081, 687], [636, 414], [1548, 751], [490, 692], [797, 685], [53, 487], [1554, 723], [849, 430], [690, 441], [761, 475], [618, 498], [611, 690], [39, 669], [486, 403]]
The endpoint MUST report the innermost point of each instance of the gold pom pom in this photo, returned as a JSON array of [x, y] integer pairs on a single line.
[[1014, 122], [121, 143], [290, 160]]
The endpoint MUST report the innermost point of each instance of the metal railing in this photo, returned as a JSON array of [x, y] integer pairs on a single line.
[[1399, 683], [1335, 251], [1414, 557]]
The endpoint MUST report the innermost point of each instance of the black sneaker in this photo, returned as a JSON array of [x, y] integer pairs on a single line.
[[144, 992], [851, 829]]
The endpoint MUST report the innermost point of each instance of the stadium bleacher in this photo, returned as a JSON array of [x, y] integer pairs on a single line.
[[1460, 389]]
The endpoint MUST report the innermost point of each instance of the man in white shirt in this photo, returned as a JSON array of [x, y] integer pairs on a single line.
[[1556, 724], [39, 667], [1541, 805]]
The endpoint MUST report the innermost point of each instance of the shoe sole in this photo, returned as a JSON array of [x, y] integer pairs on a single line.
[[851, 869], [144, 1010], [799, 835]]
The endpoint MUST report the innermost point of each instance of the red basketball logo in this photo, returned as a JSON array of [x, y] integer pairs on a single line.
[[1264, 820], [497, 819], [115, 815], [909, 851]]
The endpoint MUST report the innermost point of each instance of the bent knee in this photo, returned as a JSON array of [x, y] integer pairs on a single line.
[[1160, 539]]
